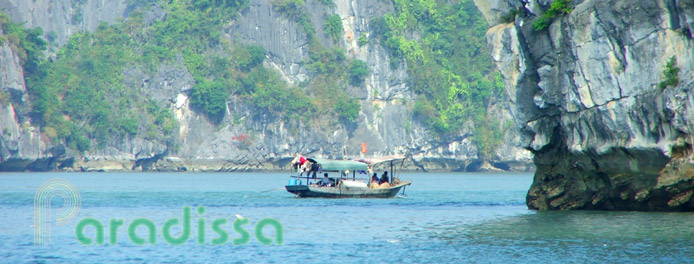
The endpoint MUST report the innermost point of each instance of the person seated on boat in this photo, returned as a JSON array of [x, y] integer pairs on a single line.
[[325, 182], [384, 178], [374, 179]]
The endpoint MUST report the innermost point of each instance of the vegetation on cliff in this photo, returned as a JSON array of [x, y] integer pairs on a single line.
[[331, 70], [557, 8], [333, 27], [27, 43], [449, 68], [670, 74], [79, 96]]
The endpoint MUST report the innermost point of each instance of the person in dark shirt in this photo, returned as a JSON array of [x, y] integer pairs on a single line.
[[314, 169], [384, 177], [374, 178]]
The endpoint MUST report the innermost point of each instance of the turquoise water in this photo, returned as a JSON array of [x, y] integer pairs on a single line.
[[443, 218]]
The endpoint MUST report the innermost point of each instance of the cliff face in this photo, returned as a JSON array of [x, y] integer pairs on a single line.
[[239, 142], [589, 102], [65, 17], [384, 122], [19, 137]]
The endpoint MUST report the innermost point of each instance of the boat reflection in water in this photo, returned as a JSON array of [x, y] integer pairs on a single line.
[[342, 179]]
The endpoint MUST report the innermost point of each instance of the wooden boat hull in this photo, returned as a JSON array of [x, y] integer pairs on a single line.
[[342, 191]]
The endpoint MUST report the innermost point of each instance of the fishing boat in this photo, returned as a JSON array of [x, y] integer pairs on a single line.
[[342, 180]]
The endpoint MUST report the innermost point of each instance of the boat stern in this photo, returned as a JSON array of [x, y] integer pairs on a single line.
[[297, 189]]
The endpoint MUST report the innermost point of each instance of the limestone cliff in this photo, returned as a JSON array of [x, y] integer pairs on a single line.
[[589, 103], [19, 137], [65, 17], [238, 142]]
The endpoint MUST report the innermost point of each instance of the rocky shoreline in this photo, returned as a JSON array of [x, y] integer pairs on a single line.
[[178, 164]]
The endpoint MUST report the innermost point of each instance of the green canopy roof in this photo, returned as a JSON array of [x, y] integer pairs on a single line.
[[339, 165]]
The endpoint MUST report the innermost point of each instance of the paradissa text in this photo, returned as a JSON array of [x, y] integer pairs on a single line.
[[223, 235]]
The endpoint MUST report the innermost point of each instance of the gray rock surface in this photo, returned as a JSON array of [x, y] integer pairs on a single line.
[[20, 142], [588, 104], [242, 141], [65, 17]]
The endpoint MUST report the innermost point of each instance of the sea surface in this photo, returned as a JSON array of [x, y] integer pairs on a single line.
[[441, 218]]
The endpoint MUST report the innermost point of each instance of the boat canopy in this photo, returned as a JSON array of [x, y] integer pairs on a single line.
[[377, 160], [339, 165]]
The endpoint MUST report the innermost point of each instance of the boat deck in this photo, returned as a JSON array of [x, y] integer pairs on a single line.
[[343, 191]]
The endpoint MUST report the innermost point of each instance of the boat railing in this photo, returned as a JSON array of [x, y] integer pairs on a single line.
[[340, 170], [318, 178]]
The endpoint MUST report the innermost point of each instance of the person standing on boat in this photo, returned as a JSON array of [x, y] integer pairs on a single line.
[[304, 163], [325, 182], [314, 167], [298, 163], [384, 178], [374, 179]]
